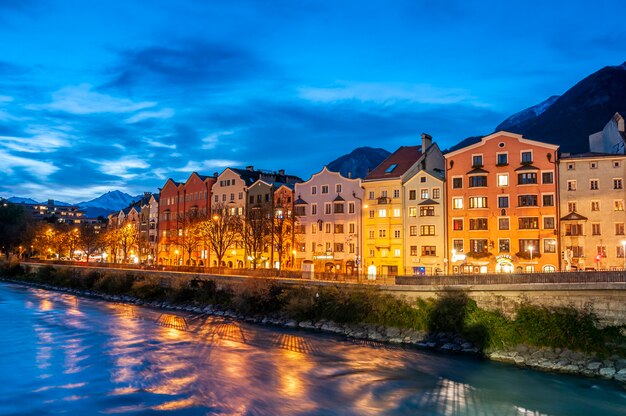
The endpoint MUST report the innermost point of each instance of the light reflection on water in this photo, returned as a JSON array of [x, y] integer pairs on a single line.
[[81, 356]]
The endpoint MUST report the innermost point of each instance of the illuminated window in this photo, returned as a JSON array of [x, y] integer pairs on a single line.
[[457, 203]]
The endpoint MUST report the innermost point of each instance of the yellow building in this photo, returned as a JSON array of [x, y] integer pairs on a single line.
[[385, 206]]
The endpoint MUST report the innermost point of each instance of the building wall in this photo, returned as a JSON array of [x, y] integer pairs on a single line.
[[594, 187], [424, 225], [531, 212], [328, 238]]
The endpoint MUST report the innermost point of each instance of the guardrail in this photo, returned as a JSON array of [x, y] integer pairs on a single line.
[[608, 276]]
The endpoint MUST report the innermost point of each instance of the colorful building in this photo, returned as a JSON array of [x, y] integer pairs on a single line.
[[502, 206], [328, 211], [592, 196]]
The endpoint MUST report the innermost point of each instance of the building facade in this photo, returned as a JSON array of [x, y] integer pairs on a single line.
[[328, 211], [502, 206], [592, 197]]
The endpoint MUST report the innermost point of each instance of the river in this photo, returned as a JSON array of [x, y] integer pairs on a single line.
[[66, 354]]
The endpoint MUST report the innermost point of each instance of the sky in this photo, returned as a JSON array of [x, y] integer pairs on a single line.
[[124, 94]]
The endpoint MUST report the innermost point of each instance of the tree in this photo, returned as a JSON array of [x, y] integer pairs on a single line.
[[111, 240], [13, 226], [283, 233], [256, 232], [90, 240], [221, 231], [127, 240]]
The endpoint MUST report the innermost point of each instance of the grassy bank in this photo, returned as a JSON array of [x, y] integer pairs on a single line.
[[452, 313]]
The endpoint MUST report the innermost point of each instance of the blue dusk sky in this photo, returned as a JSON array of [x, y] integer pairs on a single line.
[[104, 95]]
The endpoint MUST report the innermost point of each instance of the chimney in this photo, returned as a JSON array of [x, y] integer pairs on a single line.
[[427, 140], [250, 168]]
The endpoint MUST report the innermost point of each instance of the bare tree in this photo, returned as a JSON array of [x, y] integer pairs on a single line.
[[221, 231], [90, 240], [256, 233], [283, 233]]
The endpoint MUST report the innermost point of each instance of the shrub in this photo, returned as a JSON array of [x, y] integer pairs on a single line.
[[148, 289], [115, 284]]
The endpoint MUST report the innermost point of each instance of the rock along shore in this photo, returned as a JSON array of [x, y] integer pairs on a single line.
[[547, 359]]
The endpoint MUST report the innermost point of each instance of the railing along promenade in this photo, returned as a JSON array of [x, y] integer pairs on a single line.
[[578, 277]]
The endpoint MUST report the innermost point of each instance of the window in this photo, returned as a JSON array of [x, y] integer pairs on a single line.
[[413, 230], [478, 223], [503, 202], [240, 195], [601, 251], [526, 245], [616, 164], [573, 229], [595, 229], [547, 177], [351, 207], [327, 208], [371, 252], [413, 250], [503, 223], [372, 234], [351, 248], [457, 245], [396, 233], [477, 181], [478, 202], [548, 223], [479, 245], [502, 159], [571, 206], [593, 165], [391, 168], [595, 205], [619, 228], [371, 195], [338, 247], [436, 193], [424, 193], [618, 205], [396, 252], [457, 183], [427, 211], [427, 230], [620, 252], [527, 157], [477, 161], [577, 251], [382, 213], [313, 190], [504, 245], [503, 179], [313, 209], [300, 210], [423, 179], [457, 224], [528, 223], [412, 195], [382, 233], [372, 213], [571, 166], [412, 212], [617, 184], [383, 194], [338, 207], [396, 193], [594, 184], [548, 200], [351, 228], [526, 178], [338, 228], [457, 203], [429, 251], [314, 228], [324, 189], [396, 212], [549, 245], [338, 188], [527, 201], [328, 228], [571, 185]]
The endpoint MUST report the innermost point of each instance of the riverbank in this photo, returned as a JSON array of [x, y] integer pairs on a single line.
[[563, 340]]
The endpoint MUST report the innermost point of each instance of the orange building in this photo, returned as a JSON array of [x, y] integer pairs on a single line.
[[502, 206], [179, 203]]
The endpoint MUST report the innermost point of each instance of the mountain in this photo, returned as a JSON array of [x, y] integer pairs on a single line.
[[20, 200], [111, 201], [584, 109], [359, 162], [529, 113]]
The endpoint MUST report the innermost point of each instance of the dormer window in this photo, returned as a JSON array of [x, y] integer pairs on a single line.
[[391, 168]]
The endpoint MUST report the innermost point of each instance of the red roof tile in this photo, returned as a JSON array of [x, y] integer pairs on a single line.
[[403, 158]]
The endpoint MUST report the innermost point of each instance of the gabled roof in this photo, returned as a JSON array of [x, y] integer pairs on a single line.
[[300, 201], [428, 202], [526, 168], [397, 164], [339, 198], [503, 135], [574, 216], [477, 170]]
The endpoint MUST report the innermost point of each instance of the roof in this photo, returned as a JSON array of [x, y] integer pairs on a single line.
[[477, 170], [503, 135], [428, 202], [591, 155], [300, 201], [574, 216], [339, 198], [526, 167], [403, 159]]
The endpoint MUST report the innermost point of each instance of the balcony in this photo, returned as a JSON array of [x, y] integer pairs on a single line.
[[383, 200]]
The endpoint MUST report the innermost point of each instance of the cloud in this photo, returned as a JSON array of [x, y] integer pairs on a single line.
[[185, 63], [80, 99], [122, 167], [145, 115], [387, 93], [155, 143], [42, 141], [207, 165], [9, 163], [212, 140]]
